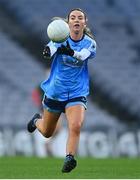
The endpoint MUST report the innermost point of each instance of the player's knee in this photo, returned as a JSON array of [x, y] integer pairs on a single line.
[[76, 127], [46, 134]]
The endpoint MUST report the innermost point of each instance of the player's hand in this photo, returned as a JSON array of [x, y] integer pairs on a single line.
[[46, 52], [65, 50]]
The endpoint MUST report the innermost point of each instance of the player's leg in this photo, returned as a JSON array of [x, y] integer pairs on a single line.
[[45, 124], [75, 116], [49, 143]]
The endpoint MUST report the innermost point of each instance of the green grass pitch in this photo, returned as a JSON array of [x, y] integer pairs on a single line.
[[50, 168]]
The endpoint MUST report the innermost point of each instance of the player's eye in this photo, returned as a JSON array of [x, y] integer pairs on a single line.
[[72, 18], [80, 18]]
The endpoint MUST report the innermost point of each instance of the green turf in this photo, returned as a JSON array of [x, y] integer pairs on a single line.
[[47, 168]]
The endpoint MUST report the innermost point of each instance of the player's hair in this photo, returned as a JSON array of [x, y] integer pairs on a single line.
[[57, 18], [87, 30]]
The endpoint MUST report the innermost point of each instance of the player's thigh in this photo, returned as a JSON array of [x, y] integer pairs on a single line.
[[50, 120], [75, 115]]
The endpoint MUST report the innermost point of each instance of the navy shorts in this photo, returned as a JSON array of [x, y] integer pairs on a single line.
[[59, 106]]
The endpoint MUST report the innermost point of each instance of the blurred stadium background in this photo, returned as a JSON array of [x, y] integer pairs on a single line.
[[112, 125]]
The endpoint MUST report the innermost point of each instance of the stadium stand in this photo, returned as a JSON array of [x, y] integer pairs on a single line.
[[116, 75], [38, 14], [19, 75], [100, 118]]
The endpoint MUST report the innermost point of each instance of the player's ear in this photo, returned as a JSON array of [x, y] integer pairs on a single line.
[[86, 20], [85, 26]]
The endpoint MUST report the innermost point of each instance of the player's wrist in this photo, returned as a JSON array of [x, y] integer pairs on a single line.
[[65, 50], [70, 52], [46, 52]]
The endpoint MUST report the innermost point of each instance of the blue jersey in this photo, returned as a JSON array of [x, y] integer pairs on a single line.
[[69, 75]]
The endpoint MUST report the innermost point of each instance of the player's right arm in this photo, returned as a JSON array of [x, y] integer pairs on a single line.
[[49, 50]]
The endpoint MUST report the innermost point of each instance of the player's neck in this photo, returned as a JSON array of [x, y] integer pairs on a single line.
[[76, 36]]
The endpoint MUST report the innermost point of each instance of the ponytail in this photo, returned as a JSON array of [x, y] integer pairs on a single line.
[[88, 32]]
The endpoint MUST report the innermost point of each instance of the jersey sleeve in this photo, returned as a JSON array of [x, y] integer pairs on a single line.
[[87, 52], [52, 47]]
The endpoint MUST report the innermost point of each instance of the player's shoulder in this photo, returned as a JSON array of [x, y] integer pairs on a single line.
[[90, 42]]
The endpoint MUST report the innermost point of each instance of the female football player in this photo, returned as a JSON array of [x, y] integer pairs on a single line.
[[67, 87]]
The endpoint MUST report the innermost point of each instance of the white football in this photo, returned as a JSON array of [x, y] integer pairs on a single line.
[[58, 30]]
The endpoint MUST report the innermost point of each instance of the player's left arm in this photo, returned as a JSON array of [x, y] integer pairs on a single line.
[[87, 52]]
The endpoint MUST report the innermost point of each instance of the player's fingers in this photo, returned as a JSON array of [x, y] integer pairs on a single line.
[[62, 46], [68, 45]]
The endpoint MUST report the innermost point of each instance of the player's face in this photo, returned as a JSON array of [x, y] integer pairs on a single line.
[[77, 21]]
